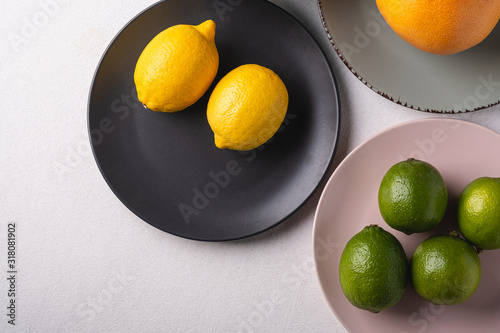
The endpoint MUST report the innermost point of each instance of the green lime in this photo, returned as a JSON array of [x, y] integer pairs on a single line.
[[373, 269], [412, 196], [479, 213], [445, 269]]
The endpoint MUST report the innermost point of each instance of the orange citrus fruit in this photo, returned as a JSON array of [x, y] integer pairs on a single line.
[[441, 26]]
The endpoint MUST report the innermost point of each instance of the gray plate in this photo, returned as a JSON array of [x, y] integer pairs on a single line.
[[466, 81]]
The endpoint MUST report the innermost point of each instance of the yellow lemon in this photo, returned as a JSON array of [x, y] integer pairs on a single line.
[[177, 67], [247, 107]]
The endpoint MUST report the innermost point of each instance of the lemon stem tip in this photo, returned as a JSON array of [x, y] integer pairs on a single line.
[[207, 29]]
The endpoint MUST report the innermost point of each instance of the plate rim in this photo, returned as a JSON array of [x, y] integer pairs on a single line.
[[336, 108], [378, 91], [339, 167]]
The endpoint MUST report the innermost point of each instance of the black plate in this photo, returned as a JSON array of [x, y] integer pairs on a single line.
[[165, 167]]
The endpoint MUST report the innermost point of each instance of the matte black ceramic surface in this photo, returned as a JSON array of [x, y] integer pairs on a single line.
[[165, 167]]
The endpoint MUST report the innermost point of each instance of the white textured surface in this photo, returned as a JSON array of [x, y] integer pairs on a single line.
[[87, 264]]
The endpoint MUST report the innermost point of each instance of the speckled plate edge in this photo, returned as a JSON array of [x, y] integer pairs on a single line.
[[381, 93]]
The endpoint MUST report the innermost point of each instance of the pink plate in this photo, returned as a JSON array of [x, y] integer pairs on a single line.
[[462, 152]]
